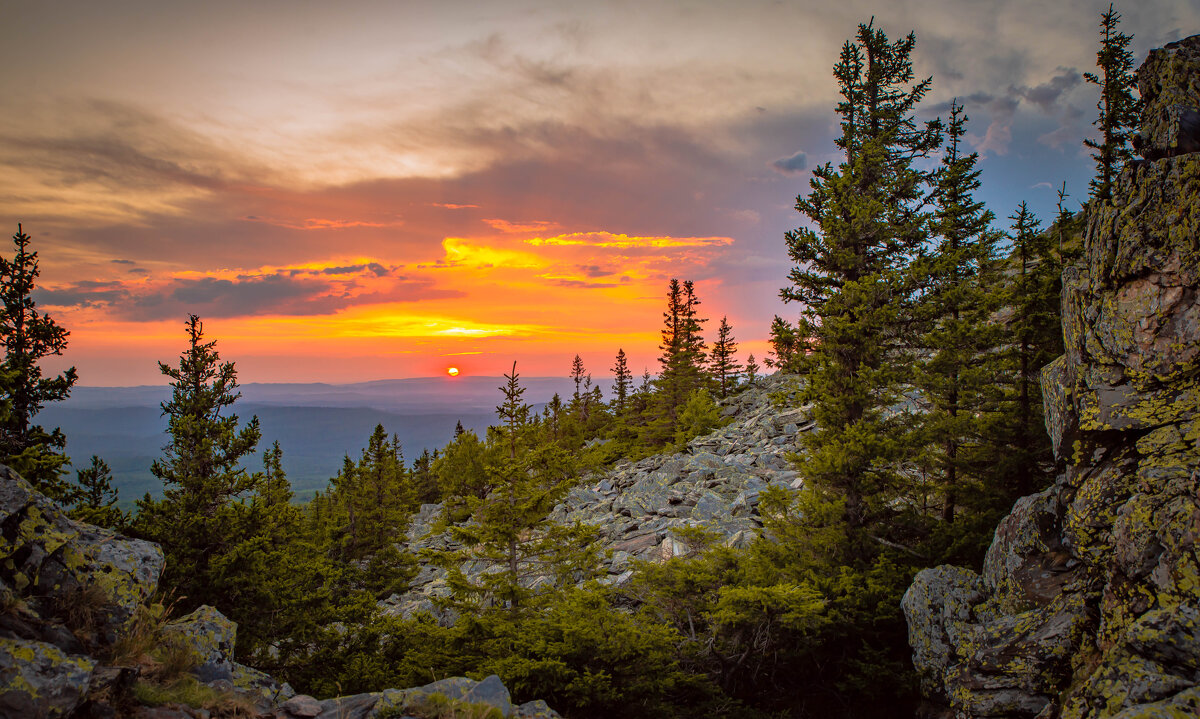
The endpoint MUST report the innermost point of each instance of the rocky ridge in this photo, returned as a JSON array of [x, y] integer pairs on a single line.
[[1088, 605], [75, 602], [637, 507]]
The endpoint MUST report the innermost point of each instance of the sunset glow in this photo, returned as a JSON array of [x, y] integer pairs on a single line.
[[408, 186], [453, 371]]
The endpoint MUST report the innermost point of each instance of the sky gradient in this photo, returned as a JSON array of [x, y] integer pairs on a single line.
[[381, 190]]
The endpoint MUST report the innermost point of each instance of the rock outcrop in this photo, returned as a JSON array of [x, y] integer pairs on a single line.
[[1089, 601], [638, 507], [77, 634]]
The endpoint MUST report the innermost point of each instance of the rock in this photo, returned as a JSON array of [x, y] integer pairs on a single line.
[[40, 680], [44, 554], [1089, 604], [300, 706], [715, 483]]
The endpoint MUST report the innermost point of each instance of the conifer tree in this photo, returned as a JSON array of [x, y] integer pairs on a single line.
[[276, 490], [683, 351], [959, 342], [1034, 338], [622, 382], [97, 503], [1119, 110], [509, 527], [28, 336], [577, 374], [724, 364], [751, 370], [850, 274], [200, 469], [784, 345]]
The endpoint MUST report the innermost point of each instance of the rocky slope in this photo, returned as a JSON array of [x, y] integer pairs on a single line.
[[80, 638], [637, 506], [1089, 601]]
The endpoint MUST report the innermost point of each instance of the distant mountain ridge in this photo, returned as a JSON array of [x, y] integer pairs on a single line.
[[316, 424]]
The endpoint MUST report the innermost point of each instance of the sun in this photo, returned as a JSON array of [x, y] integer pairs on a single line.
[[453, 371]]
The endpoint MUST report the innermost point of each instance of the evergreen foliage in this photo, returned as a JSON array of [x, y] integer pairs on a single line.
[[200, 469], [1120, 111], [509, 527], [851, 275], [960, 341], [723, 362], [28, 337], [97, 500], [622, 383]]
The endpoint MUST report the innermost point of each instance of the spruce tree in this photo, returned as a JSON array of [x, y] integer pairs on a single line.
[[577, 374], [196, 521], [751, 370], [97, 501], [622, 382], [851, 276], [724, 364], [956, 378], [28, 337], [1120, 111], [784, 345], [1034, 338], [509, 528]]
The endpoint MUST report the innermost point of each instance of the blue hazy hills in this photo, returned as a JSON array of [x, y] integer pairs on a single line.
[[315, 424]]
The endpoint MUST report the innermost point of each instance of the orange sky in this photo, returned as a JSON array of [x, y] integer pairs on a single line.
[[374, 189]]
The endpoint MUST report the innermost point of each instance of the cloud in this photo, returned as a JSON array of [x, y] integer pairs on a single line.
[[792, 164], [521, 227], [286, 291], [1047, 95]]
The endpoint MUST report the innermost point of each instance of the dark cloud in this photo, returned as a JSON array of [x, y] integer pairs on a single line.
[[1047, 95], [123, 262], [278, 293], [118, 146], [792, 164]]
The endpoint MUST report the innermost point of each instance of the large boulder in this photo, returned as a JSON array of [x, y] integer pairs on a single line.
[[41, 681], [1089, 603], [67, 573]]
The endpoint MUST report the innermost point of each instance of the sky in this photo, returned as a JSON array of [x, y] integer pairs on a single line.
[[365, 190]]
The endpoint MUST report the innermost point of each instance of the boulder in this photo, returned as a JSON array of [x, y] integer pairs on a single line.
[[40, 680]]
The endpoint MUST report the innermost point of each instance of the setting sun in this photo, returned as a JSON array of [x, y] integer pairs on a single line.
[[453, 371]]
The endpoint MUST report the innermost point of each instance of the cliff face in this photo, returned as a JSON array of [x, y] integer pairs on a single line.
[[1089, 601]]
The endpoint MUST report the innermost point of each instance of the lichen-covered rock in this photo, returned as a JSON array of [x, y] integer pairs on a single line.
[[1090, 601], [40, 681], [49, 561], [638, 507], [453, 696], [213, 636]]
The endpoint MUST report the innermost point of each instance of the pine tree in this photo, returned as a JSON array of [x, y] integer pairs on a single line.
[[1034, 338], [850, 275], [683, 352], [724, 364], [29, 336], [751, 370], [577, 374], [1120, 111], [622, 382], [784, 345], [509, 527], [194, 522], [956, 378], [97, 503]]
